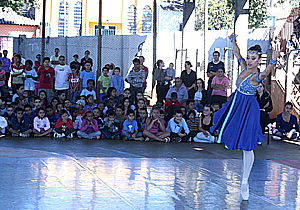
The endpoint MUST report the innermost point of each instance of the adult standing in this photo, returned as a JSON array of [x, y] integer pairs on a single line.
[[265, 104], [189, 79], [212, 69], [238, 122], [85, 59], [142, 60], [180, 89], [75, 62], [54, 59], [159, 75], [5, 65], [293, 44], [61, 75], [219, 85], [136, 78]]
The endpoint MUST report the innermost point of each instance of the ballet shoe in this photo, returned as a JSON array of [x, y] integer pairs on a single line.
[[245, 190]]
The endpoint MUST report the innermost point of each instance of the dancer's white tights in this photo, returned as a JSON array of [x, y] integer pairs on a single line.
[[248, 159]]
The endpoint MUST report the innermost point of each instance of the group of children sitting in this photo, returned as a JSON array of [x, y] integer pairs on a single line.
[[117, 117]]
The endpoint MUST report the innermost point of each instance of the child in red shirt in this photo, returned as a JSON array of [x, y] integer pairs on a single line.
[[46, 74], [64, 126]]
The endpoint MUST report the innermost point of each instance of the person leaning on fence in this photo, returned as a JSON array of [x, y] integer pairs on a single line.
[[136, 78], [286, 124]]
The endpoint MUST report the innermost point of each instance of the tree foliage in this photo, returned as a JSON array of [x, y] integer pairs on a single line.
[[18, 5], [221, 14]]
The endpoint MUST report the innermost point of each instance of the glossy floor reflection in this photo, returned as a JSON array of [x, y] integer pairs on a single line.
[[64, 182]]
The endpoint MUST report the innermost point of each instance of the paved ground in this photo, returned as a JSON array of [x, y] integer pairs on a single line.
[[85, 174]]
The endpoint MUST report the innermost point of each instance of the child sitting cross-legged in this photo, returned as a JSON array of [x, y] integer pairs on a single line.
[[64, 126], [112, 126], [29, 114], [89, 127], [41, 124], [52, 116], [130, 128], [96, 112], [20, 125], [178, 128], [153, 124]]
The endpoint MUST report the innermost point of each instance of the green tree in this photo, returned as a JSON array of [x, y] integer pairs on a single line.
[[221, 14], [18, 5]]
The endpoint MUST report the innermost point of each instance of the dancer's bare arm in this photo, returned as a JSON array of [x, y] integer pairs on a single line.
[[236, 51]]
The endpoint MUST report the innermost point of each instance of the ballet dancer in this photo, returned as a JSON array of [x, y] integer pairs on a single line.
[[239, 120]]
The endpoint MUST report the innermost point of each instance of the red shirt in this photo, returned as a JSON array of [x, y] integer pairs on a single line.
[[46, 77], [169, 103], [146, 71], [64, 126], [17, 74], [81, 114]]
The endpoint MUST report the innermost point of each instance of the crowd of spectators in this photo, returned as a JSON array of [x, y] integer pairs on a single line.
[[50, 98]]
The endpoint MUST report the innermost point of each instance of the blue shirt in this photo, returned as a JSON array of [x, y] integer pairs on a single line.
[[5, 64], [283, 126], [118, 83], [85, 76], [29, 118], [181, 93], [130, 127], [175, 128]]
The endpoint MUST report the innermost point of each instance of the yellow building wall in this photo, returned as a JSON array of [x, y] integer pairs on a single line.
[[92, 27]]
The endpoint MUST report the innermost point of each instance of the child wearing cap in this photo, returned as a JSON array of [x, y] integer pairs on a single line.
[[79, 106]]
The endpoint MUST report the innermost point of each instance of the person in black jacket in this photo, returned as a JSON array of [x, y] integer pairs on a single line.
[[265, 104]]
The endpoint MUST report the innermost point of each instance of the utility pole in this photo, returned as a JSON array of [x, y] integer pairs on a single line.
[[204, 38], [43, 29], [154, 42], [99, 40]]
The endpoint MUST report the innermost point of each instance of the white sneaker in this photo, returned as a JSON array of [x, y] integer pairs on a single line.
[[70, 136], [56, 135]]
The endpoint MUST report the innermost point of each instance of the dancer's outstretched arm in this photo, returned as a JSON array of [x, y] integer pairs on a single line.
[[236, 51], [276, 53]]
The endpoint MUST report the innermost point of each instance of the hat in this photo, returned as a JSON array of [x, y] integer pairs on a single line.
[[80, 102]]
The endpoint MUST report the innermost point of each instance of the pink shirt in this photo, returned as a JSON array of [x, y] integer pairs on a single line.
[[217, 82]]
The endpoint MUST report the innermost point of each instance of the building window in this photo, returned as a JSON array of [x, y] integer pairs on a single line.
[[63, 19], [147, 20], [77, 17], [131, 17]]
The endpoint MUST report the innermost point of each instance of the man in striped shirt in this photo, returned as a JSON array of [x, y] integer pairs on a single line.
[[136, 78]]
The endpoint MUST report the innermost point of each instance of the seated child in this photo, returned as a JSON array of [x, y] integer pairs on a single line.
[[59, 107], [29, 115], [9, 114], [3, 102], [206, 121], [89, 127], [193, 123], [178, 128], [96, 112], [173, 101], [64, 126], [75, 118], [140, 104], [61, 97], [153, 124], [79, 106], [20, 125], [90, 89], [120, 115], [190, 104], [67, 105], [90, 105], [20, 92], [52, 116], [130, 128], [41, 124], [141, 120], [21, 101], [126, 104], [101, 107], [216, 107], [111, 93], [112, 126], [37, 103], [3, 125], [43, 97], [53, 103]]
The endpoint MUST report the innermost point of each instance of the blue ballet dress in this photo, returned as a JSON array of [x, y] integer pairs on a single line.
[[239, 120]]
